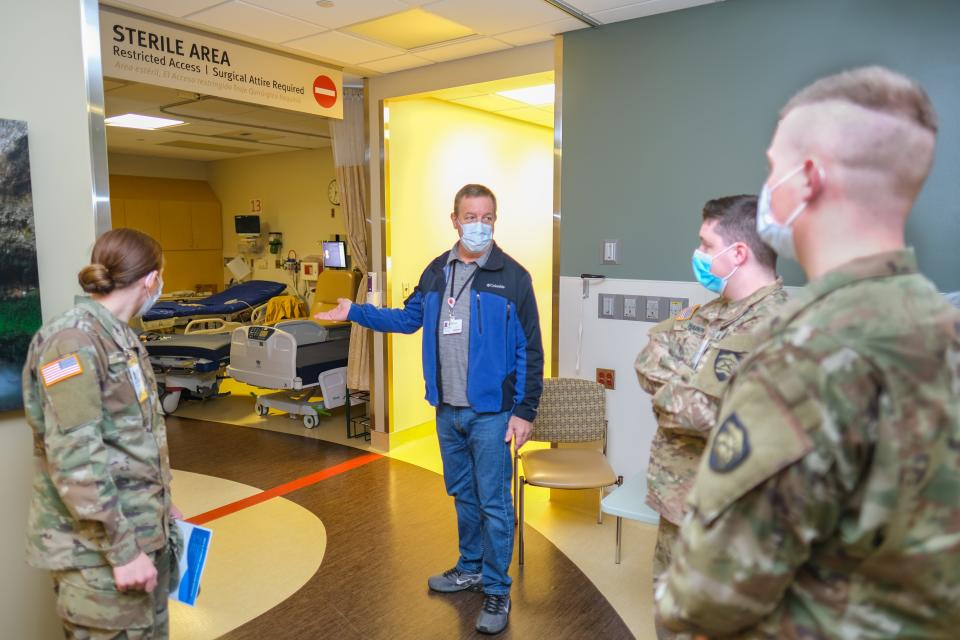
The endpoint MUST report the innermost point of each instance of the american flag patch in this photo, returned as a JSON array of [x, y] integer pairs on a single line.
[[65, 367]]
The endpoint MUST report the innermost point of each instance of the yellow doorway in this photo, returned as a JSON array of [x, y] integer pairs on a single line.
[[435, 143]]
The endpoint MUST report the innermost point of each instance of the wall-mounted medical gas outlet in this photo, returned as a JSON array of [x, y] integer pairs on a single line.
[[610, 252], [651, 309], [616, 306], [610, 306], [606, 377]]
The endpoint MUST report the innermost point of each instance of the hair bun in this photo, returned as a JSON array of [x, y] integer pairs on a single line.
[[96, 278]]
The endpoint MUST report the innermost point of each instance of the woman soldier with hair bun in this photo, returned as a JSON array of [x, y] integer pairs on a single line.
[[101, 518]]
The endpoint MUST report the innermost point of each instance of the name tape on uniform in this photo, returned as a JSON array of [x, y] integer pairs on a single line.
[[59, 370]]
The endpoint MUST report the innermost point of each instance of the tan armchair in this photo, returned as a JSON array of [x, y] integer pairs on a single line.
[[571, 410]]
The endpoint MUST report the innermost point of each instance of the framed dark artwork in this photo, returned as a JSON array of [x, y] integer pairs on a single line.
[[19, 282]]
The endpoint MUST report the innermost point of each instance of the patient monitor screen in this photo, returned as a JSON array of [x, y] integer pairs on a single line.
[[246, 224], [334, 255]]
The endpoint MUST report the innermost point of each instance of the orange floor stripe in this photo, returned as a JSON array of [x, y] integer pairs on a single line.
[[284, 489]]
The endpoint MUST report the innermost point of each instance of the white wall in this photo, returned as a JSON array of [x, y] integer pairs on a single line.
[[292, 188], [125, 164], [44, 84], [614, 344]]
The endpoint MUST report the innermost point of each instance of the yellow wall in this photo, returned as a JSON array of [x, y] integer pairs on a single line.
[[292, 188], [434, 148], [184, 216]]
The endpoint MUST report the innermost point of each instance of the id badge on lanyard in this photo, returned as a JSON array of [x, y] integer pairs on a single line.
[[453, 325]]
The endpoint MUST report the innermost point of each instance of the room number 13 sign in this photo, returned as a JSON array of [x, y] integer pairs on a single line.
[[256, 206]]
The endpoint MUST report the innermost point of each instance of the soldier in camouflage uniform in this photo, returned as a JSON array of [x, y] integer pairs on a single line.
[[827, 506], [690, 358], [101, 515]]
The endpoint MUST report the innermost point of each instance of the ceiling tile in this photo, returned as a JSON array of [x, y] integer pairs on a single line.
[[497, 16], [644, 9], [411, 29], [396, 63], [343, 47], [250, 21], [540, 32], [176, 8], [343, 12], [473, 47], [530, 114]]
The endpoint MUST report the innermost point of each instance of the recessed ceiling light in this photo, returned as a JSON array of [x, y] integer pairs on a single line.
[[536, 96], [137, 121]]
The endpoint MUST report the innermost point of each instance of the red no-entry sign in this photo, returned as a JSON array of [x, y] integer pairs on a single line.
[[325, 91]]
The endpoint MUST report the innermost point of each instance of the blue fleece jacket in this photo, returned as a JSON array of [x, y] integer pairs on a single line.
[[505, 361]]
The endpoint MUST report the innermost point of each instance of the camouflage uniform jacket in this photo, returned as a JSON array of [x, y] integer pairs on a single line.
[[101, 489], [828, 505], [686, 366]]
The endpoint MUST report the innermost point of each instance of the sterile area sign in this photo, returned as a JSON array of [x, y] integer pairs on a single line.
[[140, 49]]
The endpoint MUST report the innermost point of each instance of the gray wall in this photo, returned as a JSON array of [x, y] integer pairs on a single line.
[[663, 113]]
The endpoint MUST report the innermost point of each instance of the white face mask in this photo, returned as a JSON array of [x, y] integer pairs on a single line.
[[778, 237], [152, 300]]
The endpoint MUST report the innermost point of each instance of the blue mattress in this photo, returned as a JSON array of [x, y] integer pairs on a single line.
[[246, 295]]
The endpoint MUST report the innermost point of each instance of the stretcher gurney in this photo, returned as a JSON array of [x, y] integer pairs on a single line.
[[239, 301], [297, 357], [188, 363]]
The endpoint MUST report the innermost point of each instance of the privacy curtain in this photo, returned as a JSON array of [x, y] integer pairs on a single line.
[[349, 149]]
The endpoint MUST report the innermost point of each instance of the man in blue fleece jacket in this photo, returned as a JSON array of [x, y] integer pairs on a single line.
[[483, 368]]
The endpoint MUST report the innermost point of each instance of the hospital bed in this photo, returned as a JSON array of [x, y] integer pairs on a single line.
[[298, 357], [187, 363], [229, 305]]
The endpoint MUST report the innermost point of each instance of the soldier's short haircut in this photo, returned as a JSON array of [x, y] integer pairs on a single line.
[[473, 191], [736, 218], [875, 88], [120, 258]]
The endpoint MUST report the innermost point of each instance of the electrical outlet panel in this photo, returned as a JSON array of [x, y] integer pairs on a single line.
[[631, 307], [610, 306], [606, 377]]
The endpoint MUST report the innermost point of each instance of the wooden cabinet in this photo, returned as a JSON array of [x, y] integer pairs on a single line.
[[143, 215], [207, 225], [176, 228], [183, 216]]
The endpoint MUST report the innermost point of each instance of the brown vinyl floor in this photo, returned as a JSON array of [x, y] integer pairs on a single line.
[[389, 525]]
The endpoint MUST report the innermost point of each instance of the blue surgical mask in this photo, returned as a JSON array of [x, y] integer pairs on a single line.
[[702, 262], [152, 300], [476, 236], [778, 237]]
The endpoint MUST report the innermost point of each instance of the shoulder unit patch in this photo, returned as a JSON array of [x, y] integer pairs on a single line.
[[731, 445], [725, 364]]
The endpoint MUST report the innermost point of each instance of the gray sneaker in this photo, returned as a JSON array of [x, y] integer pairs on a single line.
[[495, 614], [452, 580]]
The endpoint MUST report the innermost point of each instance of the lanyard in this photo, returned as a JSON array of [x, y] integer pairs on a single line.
[[452, 301]]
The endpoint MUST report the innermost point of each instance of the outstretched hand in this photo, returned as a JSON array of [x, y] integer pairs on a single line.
[[338, 313]]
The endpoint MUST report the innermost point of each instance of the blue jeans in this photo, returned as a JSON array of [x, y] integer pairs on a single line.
[[477, 470]]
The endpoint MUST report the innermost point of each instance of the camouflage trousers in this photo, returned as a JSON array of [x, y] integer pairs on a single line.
[[91, 608], [667, 535]]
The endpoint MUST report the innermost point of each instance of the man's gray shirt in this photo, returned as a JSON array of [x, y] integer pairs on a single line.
[[455, 347]]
